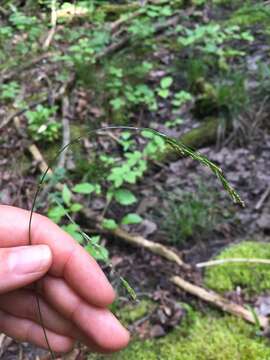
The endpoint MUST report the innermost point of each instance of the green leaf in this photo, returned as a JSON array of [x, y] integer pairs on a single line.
[[56, 213], [164, 93], [74, 231], [97, 189], [131, 219], [66, 195], [148, 134], [166, 82], [117, 103], [94, 240], [76, 207], [109, 224], [84, 188], [97, 251], [131, 177], [124, 197]]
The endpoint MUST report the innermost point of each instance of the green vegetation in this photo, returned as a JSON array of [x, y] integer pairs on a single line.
[[253, 278], [190, 68], [205, 338], [251, 14], [130, 313], [41, 124], [191, 215], [116, 56]]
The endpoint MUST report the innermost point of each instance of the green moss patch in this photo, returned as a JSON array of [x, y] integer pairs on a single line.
[[207, 338], [131, 313], [254, 278]]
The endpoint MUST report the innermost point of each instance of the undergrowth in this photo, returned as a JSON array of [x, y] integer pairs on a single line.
[[190, 215], [204, 338]]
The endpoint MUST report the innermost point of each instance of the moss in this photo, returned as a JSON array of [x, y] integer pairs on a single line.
[[207, 338], [203, 135], [130, 313], [253, 278], [196, 138]]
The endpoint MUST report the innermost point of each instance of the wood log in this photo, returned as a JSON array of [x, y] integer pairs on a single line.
[[203, 135]]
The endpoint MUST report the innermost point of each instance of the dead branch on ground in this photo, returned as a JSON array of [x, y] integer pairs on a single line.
[[35, 152], [233, 260], [66, 131], [220, 302], [262, 199], [152, 246], [6, 76], [58, 95], [52, 31]]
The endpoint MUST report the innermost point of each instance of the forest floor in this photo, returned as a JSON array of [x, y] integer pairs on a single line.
[[181, 203]]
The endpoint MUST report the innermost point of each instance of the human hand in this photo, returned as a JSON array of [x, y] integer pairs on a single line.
[[74, 293]]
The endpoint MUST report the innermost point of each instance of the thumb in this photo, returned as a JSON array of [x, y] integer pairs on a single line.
[[20, 266]]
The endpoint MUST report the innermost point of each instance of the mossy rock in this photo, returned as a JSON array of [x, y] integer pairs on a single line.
[[254, 278], [207, 338]]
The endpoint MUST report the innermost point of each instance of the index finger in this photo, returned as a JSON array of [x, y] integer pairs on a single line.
[[70, 260]]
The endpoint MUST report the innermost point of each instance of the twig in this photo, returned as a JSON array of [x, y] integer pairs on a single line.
[[61, 91], [66, 131], [52, 31], [26, 65], [113, 47], [33, 149], [3, 12], [125, 40], [154, 247], [233, 260], [14, 114], [108, 202], [220, 302], [262, 198], [116, 24]]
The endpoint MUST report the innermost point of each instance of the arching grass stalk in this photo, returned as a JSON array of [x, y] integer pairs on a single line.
[[179, 148]]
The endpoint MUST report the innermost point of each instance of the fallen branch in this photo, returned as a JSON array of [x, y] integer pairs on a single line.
[[220, 302], [52, 31], [20, 112], [117, 45], [59, 93], [33, 149], [152, 246], [123, 20], [66, 131], [5, 76], [264, 196], [235, 260]]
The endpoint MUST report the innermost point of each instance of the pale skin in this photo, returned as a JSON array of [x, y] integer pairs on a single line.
[[74, 293]]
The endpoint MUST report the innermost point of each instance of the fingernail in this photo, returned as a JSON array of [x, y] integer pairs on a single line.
[[30, 259]]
